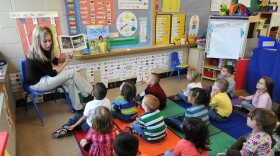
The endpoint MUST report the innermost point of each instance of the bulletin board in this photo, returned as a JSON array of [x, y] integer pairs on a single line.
[[190, 8], [78, 19]]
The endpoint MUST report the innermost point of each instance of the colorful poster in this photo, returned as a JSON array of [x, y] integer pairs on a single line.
[[126, 23], [194, 25], [163, 25], [216, 4], [94, 31], [72, 23], [96, 12], [133, 4], [26, 26], [143, 29], [178, 26], [171, 6]]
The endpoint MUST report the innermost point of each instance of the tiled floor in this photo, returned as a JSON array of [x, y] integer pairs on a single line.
[[32, 139]]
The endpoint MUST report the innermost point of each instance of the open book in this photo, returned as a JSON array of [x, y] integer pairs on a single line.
[[70, 43]]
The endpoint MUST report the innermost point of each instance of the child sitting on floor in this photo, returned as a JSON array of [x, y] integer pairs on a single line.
[[101, 136], [154, 88], [262, 97], [226, 73], [220, 104], [126, 144], [193, 78], [150, 126], [84, 120], [125, 108], [199, 100], [276, 133], [196, 140], [259, 142]]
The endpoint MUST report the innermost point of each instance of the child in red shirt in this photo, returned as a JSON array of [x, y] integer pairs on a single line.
[[154, 88]]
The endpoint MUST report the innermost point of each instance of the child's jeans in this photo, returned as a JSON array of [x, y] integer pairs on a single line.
[[85, 127], [215, 116], [138, 129], [119, 115], [168, 153], [175, 122], [182, 96], [247, 104]]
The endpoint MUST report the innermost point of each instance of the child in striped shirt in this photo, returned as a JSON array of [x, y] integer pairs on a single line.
[[150, 126], [199, 100], [125, 108]]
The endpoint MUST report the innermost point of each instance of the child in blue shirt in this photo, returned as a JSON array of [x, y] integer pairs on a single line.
[[125, 108], [199, 99]]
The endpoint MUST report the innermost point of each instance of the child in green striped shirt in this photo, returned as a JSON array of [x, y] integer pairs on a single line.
[[150, 126]]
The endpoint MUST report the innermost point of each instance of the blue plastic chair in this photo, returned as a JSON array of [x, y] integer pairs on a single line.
[[27, 88], [176, 65]]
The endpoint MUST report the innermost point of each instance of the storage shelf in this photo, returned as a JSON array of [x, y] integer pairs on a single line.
[[212, 67], [209, 78]]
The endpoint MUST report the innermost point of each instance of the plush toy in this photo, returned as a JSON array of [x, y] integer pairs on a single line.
[[223, 10]]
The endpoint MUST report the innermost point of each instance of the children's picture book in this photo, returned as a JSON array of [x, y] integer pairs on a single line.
[[95, 31], [70, 43], [99, 46]]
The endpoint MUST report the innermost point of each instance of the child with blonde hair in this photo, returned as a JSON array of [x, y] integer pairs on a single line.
[[220, 104], [99, 140], [125, 107], [193, 78], [262, 97], [150, 126], [259, 142]]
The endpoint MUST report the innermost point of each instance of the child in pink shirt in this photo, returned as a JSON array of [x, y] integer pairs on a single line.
[[262, 97], [196, 142]]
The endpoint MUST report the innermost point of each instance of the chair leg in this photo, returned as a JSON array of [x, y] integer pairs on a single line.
[[68, 99], [25, 101], [179, 76], [37, 110], [170, 74]]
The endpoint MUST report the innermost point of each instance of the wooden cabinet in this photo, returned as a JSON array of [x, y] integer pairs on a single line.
[[195, 59], [7, 111]]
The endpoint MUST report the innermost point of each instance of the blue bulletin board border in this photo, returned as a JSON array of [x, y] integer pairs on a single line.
[[80, 30]]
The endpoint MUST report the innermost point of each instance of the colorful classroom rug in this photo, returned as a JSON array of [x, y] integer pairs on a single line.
[[172, 109], [158, 148], [212, 131], [220, 142], [79, 135], [234, 120]]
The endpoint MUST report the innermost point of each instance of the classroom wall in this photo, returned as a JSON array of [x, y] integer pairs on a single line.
[[10, 43]]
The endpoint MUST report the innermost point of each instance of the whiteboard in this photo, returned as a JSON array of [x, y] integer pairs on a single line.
[[226, 38]]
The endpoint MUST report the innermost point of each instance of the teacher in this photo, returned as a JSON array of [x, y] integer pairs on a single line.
[[40, 74]]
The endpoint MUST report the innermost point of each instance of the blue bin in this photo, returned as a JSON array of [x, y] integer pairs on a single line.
[[267, 42]]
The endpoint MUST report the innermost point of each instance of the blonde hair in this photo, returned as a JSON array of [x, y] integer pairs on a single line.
[[194, 75], [102, 120], [35, 51], [151, 102], [222, 84]]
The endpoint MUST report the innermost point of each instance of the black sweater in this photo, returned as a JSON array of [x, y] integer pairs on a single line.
[[35, 69]]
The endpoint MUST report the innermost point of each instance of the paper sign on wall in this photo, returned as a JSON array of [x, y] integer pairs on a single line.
[[133, 4]]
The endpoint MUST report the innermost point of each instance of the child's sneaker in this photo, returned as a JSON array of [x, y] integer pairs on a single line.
[[60, 133], [130, 130], [221, 154]]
